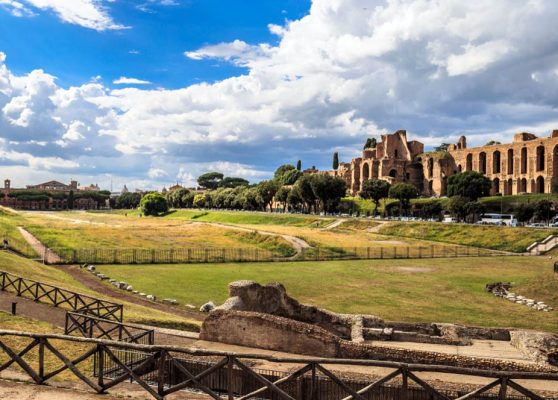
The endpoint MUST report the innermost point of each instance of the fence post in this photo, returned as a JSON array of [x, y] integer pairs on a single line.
[[230, 378], [431, 251], [313, 383], [101, 365], [42, 358], [152, 256], [114, 256], [404, 384], [161, 373], [503, 389]]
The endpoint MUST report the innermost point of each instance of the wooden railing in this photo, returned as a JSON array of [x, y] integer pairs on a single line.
[[93, 327], [157, 360], [58, 297]]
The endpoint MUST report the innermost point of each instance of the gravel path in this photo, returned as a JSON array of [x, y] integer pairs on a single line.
[[43, 251]]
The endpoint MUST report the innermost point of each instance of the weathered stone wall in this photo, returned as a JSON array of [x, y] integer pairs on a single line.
[[539, 346], [529, 164], [282, 334], [273, 299]]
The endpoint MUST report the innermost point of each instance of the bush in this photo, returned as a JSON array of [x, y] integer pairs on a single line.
[[154, 204]]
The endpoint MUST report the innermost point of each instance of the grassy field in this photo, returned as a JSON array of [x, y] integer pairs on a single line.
[[57, 277], [485, 236], [439, 290], [97, 230]]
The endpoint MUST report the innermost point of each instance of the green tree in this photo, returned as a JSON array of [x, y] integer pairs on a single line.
[[335, 161], [199, 200], [544, 210], [457, 206], [469, 184], [251, 199], [175, 197], [375, 190], [306, 193], [474, 209], [128, 200], [71, 200], [371, 143], [328, 190], [282, 196], [232, 182], [210, 180], [294, 199], [266, 191], [492, 142], [432, 209], [403, 192], [299, 165], [443, 147], [154, 204], [282, 170], [524, 212], [290, 177]]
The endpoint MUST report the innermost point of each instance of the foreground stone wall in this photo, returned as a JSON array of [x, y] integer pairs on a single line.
[[282, 334]]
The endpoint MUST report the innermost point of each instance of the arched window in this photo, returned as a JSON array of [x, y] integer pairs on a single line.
[[365, 172], [459, 168], [469, 164], [522, 185], [540, 158], [510, 162], [482, 162], [539, 185], [509, 188], [496, 162], [393, 173], [524, 161], [496, 186]]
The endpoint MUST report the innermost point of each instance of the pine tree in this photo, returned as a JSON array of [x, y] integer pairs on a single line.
[[335, 161]]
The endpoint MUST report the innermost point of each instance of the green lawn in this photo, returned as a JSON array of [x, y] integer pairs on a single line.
[[427, 290], [57, 277], [485, 236], [242, 217]]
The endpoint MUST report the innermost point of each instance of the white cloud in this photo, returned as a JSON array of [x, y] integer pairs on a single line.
[[341, 73], [130, 81], [86, 13], [16, 8]]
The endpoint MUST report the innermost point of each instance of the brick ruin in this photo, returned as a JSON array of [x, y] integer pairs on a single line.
[[266, 317], [527, 165]]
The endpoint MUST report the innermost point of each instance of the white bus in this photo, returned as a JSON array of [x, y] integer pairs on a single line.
[[498, 219]]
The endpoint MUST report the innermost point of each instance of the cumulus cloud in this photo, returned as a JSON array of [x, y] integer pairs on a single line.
[[130, 81], [341, 73], [86, 13]]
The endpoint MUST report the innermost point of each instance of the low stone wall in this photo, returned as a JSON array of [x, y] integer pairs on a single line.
[[282, 334], [268, 332], [539, 346]]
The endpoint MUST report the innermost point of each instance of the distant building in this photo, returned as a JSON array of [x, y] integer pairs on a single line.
[[175, 187], [527, 165], [51, 195]]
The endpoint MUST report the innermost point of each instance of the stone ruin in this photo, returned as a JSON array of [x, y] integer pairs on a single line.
[[502, 289], [266, 317]]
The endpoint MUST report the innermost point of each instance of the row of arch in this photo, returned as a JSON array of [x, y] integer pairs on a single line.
[[540, 162], [537, 186]]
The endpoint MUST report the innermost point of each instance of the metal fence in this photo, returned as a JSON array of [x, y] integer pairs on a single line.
[[163, 370], [100, 328], [58, 297], [221, 255]]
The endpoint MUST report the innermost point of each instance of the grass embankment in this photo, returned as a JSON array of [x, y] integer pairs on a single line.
[[57, 277], [485, 236], [70, 349], [275, 244], [250, 218], [425, 290], [96, 230], [9, 222]]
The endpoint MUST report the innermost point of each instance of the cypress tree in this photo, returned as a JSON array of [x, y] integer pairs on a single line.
[[335, 161], [299, 165]]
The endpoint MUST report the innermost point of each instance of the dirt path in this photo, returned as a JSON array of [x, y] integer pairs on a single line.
[[44, 252], [334, 224], [376, 229], [98, 286], [297, 243]]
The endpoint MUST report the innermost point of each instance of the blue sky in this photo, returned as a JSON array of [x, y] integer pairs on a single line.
[[151, 92]]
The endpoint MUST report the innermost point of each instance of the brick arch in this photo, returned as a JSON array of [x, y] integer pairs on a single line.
[[539, 184], [482, 162], [496, 162], [540, 164], [469, 162], [510, 161]]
